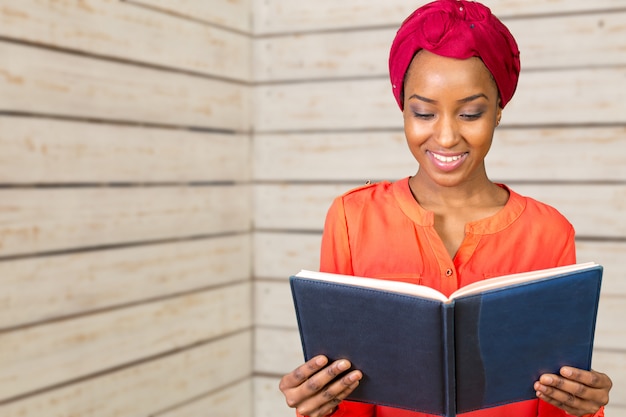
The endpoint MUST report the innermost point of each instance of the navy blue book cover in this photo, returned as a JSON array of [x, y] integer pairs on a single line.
[[477, 351]]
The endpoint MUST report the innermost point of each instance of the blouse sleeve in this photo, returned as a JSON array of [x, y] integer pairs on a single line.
[[568, 253], [335, 256]]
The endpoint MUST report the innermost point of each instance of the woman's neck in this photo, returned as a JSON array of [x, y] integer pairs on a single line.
[[478, 193]]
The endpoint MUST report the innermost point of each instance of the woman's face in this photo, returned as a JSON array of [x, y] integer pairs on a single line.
[[450, 112]]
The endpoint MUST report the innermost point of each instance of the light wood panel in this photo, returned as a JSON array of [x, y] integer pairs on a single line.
[[280, 16], [232, 401], [365, 53], [148, 387], [273, 305], [49, 151], [542, 98], [570, 154], [277, 255], [37, 357], [268, 400], [594, 210], [35, 220], [277, 358], [611, 256], [611, 326], [613, 364], [34, 80], [294, 206], [124, 31], [235, 14], [56, 286]]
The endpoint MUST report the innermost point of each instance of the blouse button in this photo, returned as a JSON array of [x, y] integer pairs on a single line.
[[449, 273]]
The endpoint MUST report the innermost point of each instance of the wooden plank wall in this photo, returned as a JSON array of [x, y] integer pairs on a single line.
[[125, 208], [325, 121]]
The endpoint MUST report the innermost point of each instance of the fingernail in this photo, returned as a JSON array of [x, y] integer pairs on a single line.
[[566, 372], [343, 365], [320, 361], [353, 377]]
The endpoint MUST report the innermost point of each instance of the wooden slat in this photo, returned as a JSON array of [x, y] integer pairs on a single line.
[[35, 220], [279, 16], [49, 151], [611, 326], [552, 97], [268, 400], [148, 387], [614, 365], [275, 205], [233, 401], [584, 154], [124, 31], [277, 255], [322, 55], [611, 256], [34, 80], [273, 304], [42, 356], [234, 14], [594, 210], [276, 351], [366, 52], [45, 288]]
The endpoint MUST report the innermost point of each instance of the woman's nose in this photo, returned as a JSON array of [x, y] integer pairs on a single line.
[[447, 132]]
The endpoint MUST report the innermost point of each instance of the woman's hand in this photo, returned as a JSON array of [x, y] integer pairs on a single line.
[[312, 389], [576, 391]]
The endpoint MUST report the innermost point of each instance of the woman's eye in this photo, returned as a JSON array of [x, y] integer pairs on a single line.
[[425, 116], [471, 116]]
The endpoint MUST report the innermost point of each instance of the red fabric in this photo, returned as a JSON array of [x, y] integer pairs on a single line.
[[381, 231], [456, 29]]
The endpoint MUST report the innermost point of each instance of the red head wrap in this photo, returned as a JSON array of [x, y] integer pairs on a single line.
[[456, 29]]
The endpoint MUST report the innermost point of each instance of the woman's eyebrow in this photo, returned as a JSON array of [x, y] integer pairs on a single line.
[[463, 100], [427, 100], [472, 98]]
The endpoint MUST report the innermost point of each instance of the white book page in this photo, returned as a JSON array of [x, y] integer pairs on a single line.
[[427, 292], [514, 279], [380, 284]]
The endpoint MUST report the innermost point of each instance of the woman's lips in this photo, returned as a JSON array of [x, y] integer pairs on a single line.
[[447, 162]]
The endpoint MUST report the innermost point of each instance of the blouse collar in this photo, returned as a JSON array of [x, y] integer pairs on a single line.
[[492, 224]]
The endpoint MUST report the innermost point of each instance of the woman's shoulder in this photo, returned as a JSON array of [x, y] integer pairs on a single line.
[[368, 192], [538, 211]]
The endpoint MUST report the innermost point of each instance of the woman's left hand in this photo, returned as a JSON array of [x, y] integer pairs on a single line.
[[576, 391]]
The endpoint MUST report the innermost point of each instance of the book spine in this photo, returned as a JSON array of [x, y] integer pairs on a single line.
[[449, 359]]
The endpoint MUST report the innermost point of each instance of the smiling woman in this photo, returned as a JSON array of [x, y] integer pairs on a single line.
[[454, 66]]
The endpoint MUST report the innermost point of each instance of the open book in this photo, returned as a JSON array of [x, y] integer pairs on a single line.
[[483, 346]]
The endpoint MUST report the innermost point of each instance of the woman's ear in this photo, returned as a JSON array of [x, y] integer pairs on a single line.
[[498, 114]]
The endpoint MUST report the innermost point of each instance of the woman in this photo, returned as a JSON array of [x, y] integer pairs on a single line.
[[453, 66]]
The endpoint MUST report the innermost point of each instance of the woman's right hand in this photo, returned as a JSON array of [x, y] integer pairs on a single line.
[[312, 389]]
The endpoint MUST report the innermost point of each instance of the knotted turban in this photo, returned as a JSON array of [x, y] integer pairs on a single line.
[[456, 29]]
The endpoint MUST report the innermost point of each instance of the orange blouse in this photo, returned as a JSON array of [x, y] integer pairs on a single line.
[[380, 231]]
